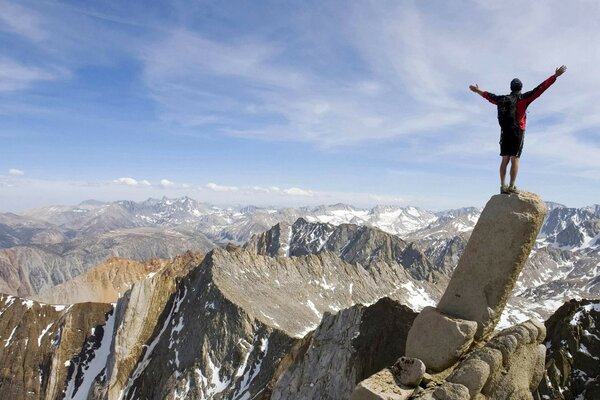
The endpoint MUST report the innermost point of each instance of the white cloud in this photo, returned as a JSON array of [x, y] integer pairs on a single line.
[[16, 172], [294, 191], [220, 188], [165, 183], [127, 181]]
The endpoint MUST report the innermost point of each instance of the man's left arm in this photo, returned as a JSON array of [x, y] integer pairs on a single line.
[[541, 88]]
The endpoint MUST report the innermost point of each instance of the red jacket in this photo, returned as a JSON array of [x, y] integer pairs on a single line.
[[524, 99]]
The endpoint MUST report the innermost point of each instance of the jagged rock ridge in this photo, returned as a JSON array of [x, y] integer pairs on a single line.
[[44, 347], [573, 357]]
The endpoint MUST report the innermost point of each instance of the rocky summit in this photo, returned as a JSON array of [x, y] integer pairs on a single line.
[[453, 341]]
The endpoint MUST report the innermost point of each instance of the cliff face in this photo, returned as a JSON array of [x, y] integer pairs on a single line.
[[358, 341], [42, 346], [106, 282], [235, 317], [352, 243], [573, 357], [28, 270]]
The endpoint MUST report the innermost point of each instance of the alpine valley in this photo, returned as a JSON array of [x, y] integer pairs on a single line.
[[177, 299]]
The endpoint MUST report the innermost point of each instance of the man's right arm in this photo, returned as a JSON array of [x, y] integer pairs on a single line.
[[492, 98]]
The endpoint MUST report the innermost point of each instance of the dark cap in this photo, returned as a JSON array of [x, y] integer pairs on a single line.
[[516, 85]]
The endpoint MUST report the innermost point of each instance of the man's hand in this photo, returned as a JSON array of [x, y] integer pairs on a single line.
[[559, 71], [475, 88]]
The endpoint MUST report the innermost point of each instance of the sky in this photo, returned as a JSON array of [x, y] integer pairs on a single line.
[[290, 103]]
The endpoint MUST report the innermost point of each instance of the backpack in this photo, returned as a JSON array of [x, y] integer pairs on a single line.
[[507, 112]]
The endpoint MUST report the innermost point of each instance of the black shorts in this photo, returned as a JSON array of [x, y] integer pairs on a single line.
[[511, 142]]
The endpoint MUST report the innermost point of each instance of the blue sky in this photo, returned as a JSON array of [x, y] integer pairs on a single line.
[[292, 103]]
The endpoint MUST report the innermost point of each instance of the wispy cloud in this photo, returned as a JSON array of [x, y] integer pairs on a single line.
[[165, 183], [220, 188], [21, 21], [16, 76], [16, 172], [131, 182]]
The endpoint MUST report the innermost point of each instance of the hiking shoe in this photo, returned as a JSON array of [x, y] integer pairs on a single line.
[[512, 189], [504, 189]]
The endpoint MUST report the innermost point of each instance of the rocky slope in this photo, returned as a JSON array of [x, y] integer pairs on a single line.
[[573, 357], [352, 243], [237, 315], [28, 270], [106, 282], [43, 345], [359, 341]]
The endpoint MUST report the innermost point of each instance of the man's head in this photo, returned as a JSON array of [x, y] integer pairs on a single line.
[[516, 85]]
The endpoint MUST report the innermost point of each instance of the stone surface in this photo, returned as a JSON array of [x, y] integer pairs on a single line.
[[108, 281], [439, 340], [451, 391], [473, 374], [509, 363], [43, 347], [573, 356], [410, 371], [381, 386], [359, 341], [493, 259]]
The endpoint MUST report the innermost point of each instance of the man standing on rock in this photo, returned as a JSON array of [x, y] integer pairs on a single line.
[[512, 119]]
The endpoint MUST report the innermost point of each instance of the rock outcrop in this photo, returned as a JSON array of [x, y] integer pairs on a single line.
[[352, 243], [226, 329], [493, 259], [43, 347], [482, 282], [29, 270], [510, 365], [573, 355], [106, 282], [344, 349]]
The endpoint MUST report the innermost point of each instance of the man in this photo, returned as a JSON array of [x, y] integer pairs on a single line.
[[512, 119]]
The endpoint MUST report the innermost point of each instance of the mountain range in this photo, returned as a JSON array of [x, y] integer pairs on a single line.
[[46, 247], [262, 319]]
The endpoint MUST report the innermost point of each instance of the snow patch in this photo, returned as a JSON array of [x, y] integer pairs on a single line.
[[95, 366], [311, 305], [43, 333], [418, 298]]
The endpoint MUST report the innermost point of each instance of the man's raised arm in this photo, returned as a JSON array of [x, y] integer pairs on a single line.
[[541, 88], [492, 98]]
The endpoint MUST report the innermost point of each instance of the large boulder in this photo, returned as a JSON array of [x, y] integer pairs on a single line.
[[493, 259], [439, 340]]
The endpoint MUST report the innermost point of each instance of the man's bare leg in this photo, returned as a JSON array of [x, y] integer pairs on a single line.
[[514, 169], [503, 165]]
